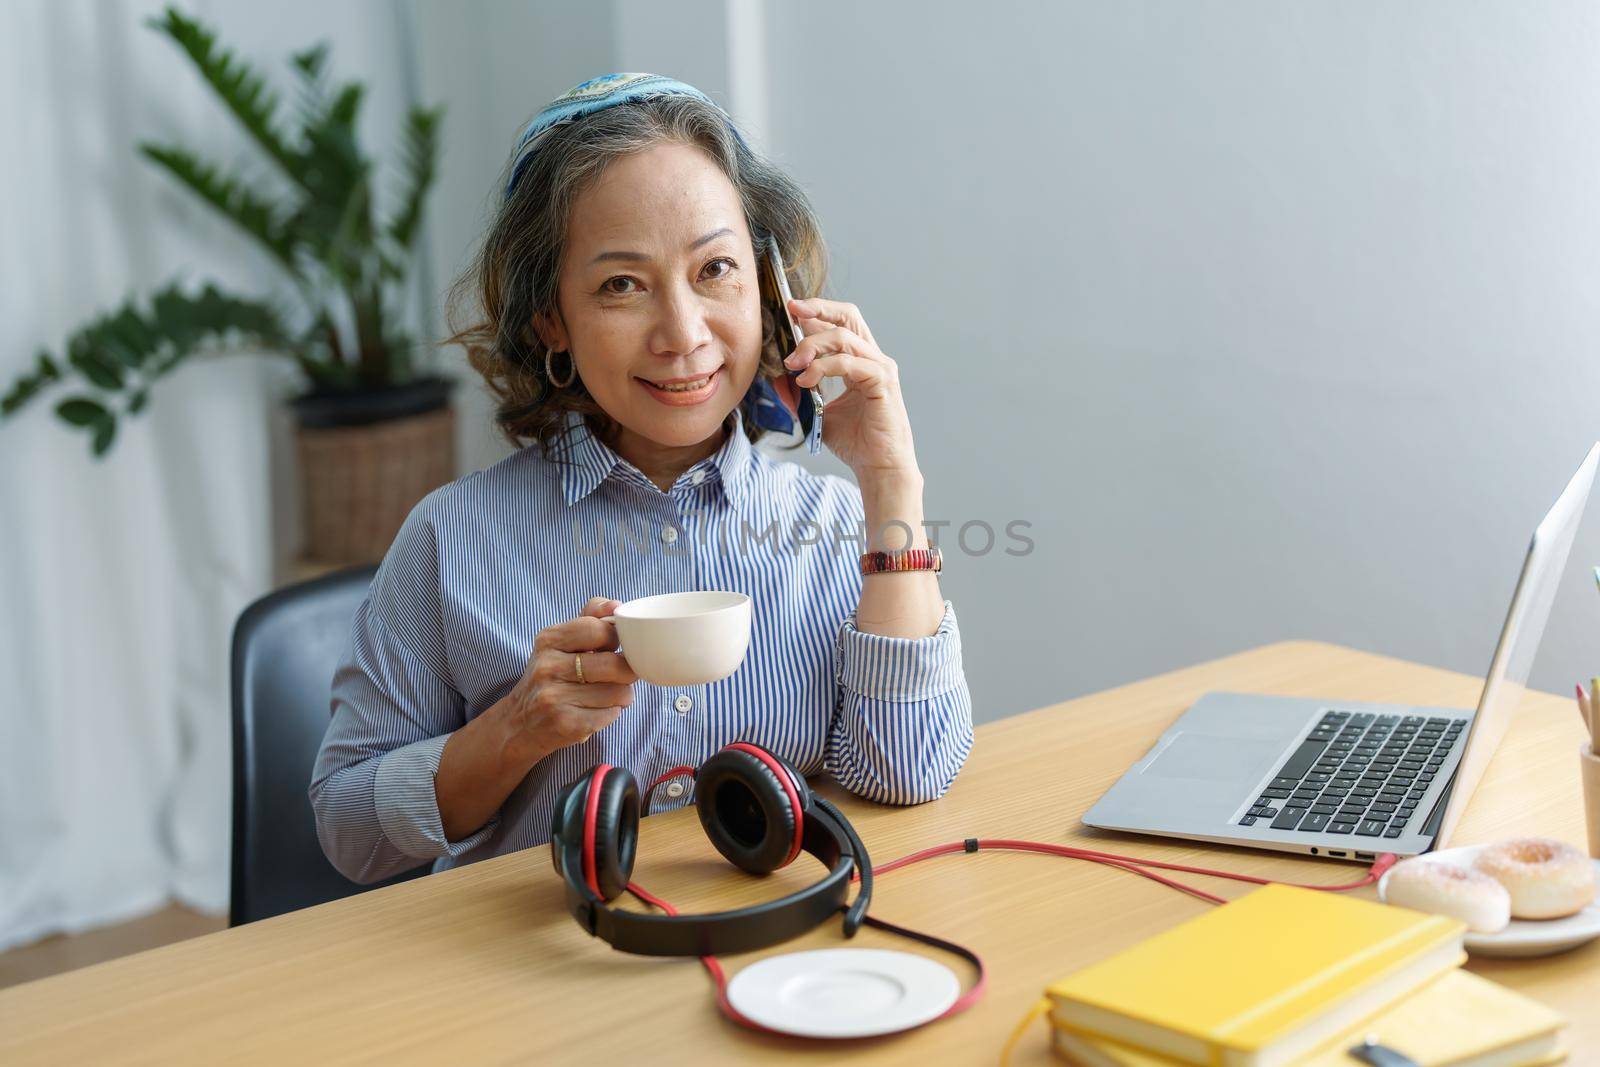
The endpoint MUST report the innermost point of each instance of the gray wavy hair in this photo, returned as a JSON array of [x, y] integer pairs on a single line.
[[516, 272]]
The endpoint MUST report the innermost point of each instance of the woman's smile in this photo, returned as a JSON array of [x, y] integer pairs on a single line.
[[683, 392]]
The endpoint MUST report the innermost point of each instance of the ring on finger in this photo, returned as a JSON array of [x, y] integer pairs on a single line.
[[577, 667]]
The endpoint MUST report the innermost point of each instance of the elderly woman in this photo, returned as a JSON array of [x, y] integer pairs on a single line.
[[623, 331]]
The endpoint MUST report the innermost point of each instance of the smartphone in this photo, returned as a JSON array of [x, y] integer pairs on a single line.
[[775, 292]]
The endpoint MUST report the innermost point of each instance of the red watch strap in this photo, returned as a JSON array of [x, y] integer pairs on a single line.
[[905, 559]]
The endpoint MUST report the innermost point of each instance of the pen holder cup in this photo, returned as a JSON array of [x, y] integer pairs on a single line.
[[1591, 796]]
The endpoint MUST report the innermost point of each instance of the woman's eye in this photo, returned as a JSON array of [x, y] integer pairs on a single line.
[[624, 285]]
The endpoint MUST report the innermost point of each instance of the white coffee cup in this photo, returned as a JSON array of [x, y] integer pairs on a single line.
[[684, 638]]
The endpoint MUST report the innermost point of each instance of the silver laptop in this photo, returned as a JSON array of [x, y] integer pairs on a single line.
[[1344, 778]]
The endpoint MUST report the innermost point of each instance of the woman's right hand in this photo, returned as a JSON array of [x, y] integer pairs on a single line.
[[549, 708]]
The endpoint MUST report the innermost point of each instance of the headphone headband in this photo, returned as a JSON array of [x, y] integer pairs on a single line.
[[715, 933]]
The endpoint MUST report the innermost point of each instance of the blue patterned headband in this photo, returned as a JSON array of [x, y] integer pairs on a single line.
[[597, 94], [762, 405]]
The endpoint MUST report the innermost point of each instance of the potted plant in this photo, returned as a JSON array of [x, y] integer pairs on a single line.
[[375, 430]]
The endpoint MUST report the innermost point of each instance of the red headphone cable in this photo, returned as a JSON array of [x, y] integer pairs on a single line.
[[1133, 864], [672, 772]]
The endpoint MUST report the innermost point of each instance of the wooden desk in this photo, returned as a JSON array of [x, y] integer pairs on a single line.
[[482, 965]]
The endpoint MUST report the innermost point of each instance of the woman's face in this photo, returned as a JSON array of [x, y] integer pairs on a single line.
[[659, 300]]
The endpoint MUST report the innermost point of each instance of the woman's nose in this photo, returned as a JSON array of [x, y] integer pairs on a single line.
[[680, 325]]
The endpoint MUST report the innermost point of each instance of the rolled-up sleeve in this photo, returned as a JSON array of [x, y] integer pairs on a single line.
[[903, 725], [393, 710]]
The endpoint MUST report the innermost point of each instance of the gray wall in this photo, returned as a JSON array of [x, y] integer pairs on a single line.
[[493, 64], [1273, 320]]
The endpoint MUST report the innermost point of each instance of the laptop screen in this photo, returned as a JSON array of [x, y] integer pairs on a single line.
[[1519, 639]]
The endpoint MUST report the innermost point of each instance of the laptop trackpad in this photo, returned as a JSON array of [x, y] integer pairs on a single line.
[[1214, 757]]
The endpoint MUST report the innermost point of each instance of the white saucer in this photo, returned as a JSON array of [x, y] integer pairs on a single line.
[[1522, 937], [843, 992]]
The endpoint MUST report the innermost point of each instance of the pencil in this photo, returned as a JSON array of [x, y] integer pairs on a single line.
[[1583, 709]]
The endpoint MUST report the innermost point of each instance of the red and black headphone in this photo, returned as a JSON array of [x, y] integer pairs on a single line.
[[758, 812]]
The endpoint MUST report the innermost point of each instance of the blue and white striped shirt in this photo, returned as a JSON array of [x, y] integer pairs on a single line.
[[484, 563]]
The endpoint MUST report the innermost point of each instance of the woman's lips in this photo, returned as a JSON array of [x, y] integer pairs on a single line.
[[680, 397]]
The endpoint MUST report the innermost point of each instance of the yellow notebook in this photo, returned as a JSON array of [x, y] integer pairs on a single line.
[[1460, 1020], [1260, 980]]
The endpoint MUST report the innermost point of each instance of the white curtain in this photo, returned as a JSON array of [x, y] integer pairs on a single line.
[[120, 579]]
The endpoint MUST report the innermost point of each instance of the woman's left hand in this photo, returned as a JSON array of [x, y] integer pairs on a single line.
[[866, 426]]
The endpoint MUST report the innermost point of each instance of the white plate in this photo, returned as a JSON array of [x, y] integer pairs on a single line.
[[1522, 937], [843, 992]]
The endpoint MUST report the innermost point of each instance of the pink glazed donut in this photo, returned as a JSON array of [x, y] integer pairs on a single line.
[[1442, 889], [1547, 879]]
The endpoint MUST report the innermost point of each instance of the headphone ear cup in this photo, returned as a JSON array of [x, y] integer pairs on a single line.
[[747, 813], [764, 756], [798, 780], [616, 832], [566, 824]]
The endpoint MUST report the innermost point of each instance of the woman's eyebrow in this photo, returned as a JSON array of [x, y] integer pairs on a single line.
[[640, 257]]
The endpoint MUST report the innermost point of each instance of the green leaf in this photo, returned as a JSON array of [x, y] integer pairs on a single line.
[[420, 152], [28, 386], [249, 209], [242, 90], [126, 337], [311, 62], [105, 432], [137, 402], [89, 357], [311, 90], [336, 215], [81, 411]]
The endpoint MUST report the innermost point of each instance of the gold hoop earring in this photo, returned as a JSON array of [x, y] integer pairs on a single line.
[[549, 371]]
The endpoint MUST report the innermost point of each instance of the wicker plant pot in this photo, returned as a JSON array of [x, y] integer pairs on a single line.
[[363, 467]]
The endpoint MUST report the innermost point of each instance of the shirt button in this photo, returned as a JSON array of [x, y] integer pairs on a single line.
[[670, 535], [697, 477], [683, 703], [674, 789]]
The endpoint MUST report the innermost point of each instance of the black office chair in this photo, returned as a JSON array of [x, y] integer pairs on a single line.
[[286, 647]]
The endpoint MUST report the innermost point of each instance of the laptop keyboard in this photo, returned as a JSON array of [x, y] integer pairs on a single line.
[[1357, 773]]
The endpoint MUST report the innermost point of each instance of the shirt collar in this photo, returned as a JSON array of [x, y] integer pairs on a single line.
[[585, 461]]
